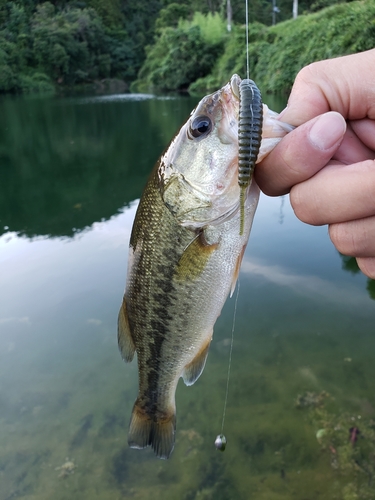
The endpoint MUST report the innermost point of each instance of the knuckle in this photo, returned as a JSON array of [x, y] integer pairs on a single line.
[[367, 266], [308, 74], [304, 209], [346, 238], [341, 238]]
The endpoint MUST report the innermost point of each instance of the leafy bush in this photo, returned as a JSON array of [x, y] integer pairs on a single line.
[[36, 82], [212, 27], [233, 59], [171, 15], [7, 78], [108, 10], [338, 30], [178, 58], [67, 46], [278, 52], [80, 42]]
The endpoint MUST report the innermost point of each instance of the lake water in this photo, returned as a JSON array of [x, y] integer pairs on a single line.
[[300, 421]]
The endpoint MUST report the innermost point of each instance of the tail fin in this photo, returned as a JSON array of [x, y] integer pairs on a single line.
[[158, 433]]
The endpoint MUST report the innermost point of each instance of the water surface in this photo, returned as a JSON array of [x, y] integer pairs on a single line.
[[71, 173]]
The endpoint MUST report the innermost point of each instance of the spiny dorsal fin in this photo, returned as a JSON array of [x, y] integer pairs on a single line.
[[124, 337], [194, 259], [194, 369]]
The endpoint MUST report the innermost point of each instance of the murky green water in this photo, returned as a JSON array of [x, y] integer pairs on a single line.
[[71, 171]]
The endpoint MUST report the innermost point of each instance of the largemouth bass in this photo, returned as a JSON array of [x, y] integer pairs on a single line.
[[184, 258]]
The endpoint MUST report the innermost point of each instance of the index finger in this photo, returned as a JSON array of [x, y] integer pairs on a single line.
[[344, 84]]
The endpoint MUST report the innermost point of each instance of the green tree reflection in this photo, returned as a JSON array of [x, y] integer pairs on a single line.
[[66, 163], [350, 264]]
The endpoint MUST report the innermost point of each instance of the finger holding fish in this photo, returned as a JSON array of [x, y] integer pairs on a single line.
[[301, 154], [353, 148], [315, 202], [355, 237], [367, 266]]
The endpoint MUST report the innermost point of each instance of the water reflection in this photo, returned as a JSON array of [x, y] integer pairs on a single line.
[[66, 396], [68, 163], [304, 327], [350, 264]]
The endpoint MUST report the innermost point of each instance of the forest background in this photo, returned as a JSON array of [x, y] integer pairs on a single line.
[[161, 45]]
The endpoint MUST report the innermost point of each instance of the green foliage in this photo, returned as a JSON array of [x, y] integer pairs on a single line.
[[322, 4], [277, 53], [170, 15], [35, 82], [335, 31], [139, 24], [179, 57], [73, 42], [109, 11], [233, 60], [204, 6], [65, 46], [212, 27]]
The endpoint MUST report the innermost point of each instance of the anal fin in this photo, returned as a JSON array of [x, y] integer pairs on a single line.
[[124, 337], [194, 369], [237, 270]]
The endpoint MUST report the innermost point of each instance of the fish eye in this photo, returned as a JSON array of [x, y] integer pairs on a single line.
[[201, 126]]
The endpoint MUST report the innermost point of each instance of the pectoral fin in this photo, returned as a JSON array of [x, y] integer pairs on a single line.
[[194, 259], [194, 369], [125, 340]]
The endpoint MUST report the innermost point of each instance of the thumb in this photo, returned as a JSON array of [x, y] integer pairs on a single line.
[[301, 154]]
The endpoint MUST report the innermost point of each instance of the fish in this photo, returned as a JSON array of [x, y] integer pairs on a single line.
[[184, 258]]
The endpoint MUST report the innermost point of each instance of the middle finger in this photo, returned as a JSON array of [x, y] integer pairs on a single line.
[[337, 193], [352, 148]]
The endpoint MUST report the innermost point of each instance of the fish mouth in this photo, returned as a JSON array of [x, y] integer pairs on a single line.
[[235, 86]]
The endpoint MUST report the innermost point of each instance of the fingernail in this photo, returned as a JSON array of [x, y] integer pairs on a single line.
[[328, 130]]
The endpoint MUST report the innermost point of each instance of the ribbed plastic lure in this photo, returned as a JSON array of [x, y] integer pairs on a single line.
[[249, 138]]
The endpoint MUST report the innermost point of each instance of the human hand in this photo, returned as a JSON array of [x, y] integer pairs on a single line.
[[327, 163]]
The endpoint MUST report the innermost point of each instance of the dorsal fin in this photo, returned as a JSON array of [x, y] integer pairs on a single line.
[[124, 337]]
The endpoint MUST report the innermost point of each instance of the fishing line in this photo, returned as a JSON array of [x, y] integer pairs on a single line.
[[249, 130], [221, 440], [247, 38], [249, 138]]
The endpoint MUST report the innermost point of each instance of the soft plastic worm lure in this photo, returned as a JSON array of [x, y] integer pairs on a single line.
[[249, 138]]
